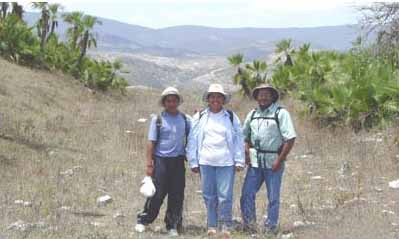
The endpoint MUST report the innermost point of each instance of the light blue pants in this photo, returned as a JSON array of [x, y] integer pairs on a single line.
[[253, 181], [217, 189]]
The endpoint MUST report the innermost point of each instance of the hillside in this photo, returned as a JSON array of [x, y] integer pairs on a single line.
[[63, 146], [186, 40]]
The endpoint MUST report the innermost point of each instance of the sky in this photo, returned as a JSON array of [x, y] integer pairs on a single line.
[[222, 13]]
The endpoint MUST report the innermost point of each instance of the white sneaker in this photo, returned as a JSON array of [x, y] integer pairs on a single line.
[[140, 228], [173, 233]]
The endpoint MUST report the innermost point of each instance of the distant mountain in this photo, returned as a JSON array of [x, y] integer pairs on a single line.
[[185, 56], [187, 40]]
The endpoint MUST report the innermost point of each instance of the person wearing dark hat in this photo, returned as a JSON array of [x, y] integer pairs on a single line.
[[216, 150], [269, 136], [165, 163]]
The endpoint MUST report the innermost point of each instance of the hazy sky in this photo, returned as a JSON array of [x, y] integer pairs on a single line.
[[222, 13]]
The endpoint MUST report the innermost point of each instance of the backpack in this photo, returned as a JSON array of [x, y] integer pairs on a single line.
[[275, 118], [231, 115], [158, 124]]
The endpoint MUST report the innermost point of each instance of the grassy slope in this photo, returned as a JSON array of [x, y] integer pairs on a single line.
[[50, 124]]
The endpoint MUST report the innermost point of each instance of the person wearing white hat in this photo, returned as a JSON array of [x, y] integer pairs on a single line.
[[166, 164], [269, 137], [216, 150]]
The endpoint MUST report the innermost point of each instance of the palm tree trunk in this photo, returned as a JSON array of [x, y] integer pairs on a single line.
[[245, 88], [83, 48], [53, 25], [45, 29], [4, 9]]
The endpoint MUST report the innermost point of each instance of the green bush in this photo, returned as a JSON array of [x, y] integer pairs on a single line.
[[354, 88], [23, 45], [17, 42]]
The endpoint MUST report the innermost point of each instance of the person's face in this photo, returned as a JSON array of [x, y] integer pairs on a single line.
[[171, 103], [215, 101], [264, 98]]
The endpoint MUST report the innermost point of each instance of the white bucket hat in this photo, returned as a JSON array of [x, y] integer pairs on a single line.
[[170, 91], [217, 88]]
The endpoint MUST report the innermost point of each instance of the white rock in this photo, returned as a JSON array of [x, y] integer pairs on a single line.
[[103, 200], [142, 120], [317, 177], [378, 190], [293, 206], [394, 224], [288, 236], [65, 208], [19, 225], [299, 224], [118, 215], [27, 204], [388, 212], [77, 167], [129, 132], [394, 184], [68, 172], [97, 224], [19, 202]]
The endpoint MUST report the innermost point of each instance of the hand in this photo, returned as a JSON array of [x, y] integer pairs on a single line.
[[239, 168], [195, 170], [150, 170], [276, 165], [247, 160]]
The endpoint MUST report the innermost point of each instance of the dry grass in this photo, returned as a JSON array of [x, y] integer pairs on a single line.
[[50, 124]]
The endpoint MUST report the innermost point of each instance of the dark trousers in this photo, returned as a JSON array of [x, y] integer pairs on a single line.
[[169, 179]]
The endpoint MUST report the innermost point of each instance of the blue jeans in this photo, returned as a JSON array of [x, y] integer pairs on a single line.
[[217, 189], [253, 181]]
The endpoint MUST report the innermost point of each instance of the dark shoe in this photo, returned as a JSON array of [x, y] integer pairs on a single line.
[[250, 229], [271, 230]]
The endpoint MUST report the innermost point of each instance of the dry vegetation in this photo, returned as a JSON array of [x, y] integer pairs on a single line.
[[61, 147]]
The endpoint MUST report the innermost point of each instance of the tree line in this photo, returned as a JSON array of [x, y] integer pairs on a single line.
[[357, 88], [39, 46]]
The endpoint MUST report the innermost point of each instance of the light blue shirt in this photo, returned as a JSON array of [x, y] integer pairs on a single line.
[[234, 140], [267, 132], [172, 135]]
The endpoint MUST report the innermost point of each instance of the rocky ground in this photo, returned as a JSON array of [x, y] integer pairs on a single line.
[[71, 162]]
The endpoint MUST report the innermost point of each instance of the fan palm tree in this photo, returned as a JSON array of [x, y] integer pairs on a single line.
[[258, 71], [88, 38], [76, 20], [43, 26], [4, 9], [17, 10], [284, 47], [53, 9], [241, 77]]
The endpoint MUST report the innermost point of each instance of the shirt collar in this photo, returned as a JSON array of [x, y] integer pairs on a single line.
[[268, 109], [223, 109]]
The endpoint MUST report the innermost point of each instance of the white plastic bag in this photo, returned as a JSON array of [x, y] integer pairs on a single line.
[[147, 188]]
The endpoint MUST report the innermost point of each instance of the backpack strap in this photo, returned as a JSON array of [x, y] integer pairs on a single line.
[[276, 118], [186, 127], [158, 124], [231, 115]]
